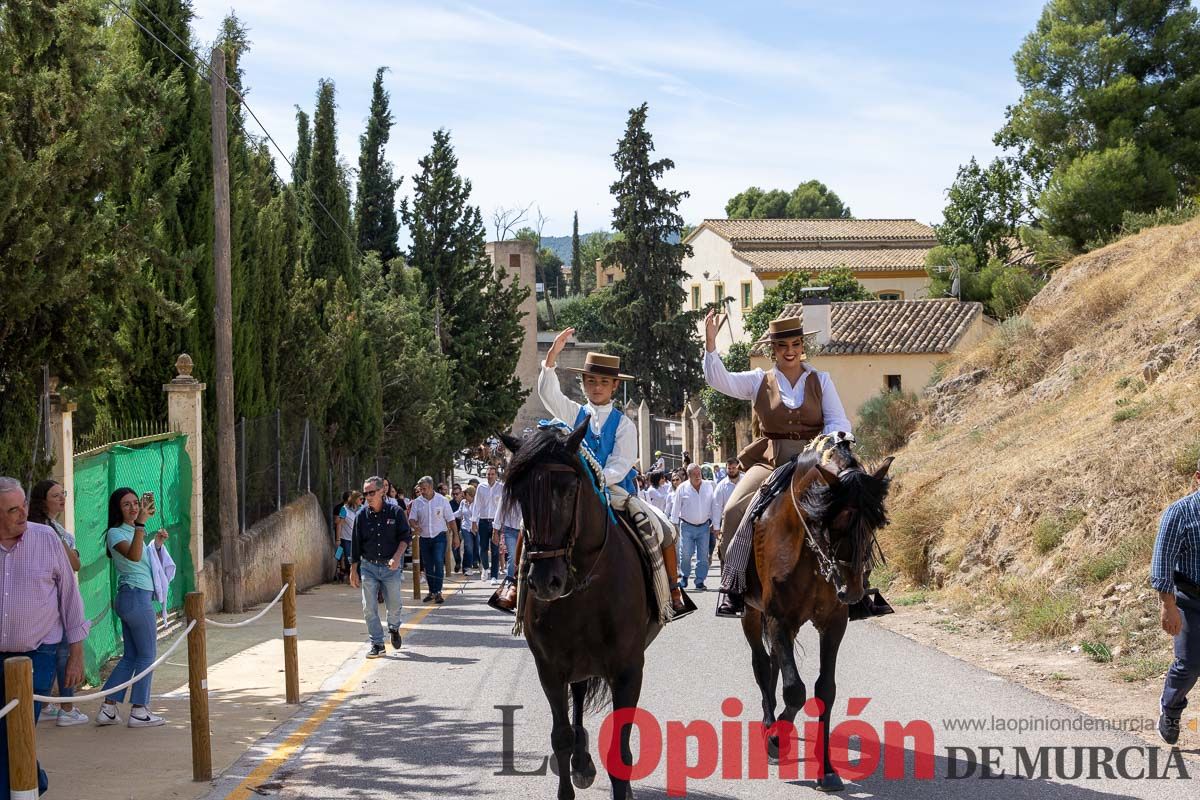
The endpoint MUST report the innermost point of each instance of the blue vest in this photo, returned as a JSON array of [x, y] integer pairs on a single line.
[[602, 445]]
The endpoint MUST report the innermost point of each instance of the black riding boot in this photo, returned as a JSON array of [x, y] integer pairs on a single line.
[[731, 604]]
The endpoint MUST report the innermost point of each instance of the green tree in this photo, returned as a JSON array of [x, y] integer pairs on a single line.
[[1003, 289], [476, 312], [303, 149], [419, 388], [985, 207], [790, 289], [722, 410], [1118, 76], [375, 213], [1087, 199], [576, 258], [591, 250], [589, 316], [72, 137], [810, 200], [329, 252], [656, 338]]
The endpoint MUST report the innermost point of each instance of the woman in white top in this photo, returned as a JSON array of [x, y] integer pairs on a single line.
[[47, 502]]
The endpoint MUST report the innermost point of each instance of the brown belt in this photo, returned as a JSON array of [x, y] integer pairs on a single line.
[[795, 437]]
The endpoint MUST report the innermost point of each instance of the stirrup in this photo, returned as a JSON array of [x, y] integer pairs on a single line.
[[730, 605], [689, 607]]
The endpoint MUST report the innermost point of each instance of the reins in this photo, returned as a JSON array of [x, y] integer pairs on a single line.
[[826, 565], [567, 552]]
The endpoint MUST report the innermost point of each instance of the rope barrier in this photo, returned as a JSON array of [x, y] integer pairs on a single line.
[[255, 618], [98, 695], [11, 705]]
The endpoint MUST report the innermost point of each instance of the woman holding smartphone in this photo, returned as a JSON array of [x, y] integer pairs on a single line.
[[131, 555]]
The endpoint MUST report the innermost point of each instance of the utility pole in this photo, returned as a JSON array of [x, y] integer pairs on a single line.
[[231, 570]]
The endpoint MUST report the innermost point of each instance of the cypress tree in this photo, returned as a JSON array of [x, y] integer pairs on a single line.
[[375, 213], [70, 144], [657, 340], [303, 149], [329, 254], [476, 314], [576, 258]]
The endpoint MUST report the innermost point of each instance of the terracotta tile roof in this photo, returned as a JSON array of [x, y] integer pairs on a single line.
[[864, 259], [891, 326], [818, 230]]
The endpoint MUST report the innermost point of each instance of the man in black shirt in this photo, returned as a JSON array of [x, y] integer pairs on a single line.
[[381, 535]]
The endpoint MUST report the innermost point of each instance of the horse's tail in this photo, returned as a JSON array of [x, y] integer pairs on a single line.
[[598, 695]]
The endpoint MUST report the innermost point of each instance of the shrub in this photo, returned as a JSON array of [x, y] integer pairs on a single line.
[[1050, 529], [886, 421], [1128, 411], [1038, 612], [589, 316], [1097, 651], [1186, 458]]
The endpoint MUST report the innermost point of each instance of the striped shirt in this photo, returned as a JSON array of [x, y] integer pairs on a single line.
[[1177, 547], [39, 599]]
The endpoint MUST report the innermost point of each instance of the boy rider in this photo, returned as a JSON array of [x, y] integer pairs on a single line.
[[612, 438]]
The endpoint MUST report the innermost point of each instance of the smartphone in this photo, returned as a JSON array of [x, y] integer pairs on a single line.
[[148, 503]]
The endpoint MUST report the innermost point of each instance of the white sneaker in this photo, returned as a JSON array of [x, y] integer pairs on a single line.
[[73, 717], [49, 711], [108, 715], [148, 721], [494, 581]]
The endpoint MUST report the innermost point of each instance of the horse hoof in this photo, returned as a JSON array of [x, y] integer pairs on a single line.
[[583, 777], [830, 782]]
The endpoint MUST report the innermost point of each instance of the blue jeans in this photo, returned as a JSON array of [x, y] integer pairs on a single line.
[[470, 550], [1185, 669], [693, 541], [484, 544], [374, 577], [139, 634], [43, 678], [61, 655], [510, 542], [433, 560]]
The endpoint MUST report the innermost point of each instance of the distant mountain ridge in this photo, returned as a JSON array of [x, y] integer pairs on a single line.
[[561, 245]]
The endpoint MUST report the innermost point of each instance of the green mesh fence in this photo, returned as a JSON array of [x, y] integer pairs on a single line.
[[161, 466]]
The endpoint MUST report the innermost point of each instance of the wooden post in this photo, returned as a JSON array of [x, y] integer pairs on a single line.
[[291, 659], [416, 572], [193, 607], [22, 748], [231, 583]]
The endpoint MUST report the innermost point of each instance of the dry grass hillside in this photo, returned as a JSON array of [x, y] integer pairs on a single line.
[[1030, 495]]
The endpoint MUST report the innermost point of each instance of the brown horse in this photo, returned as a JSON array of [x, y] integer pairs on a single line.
[[813, 551], [588, 615]]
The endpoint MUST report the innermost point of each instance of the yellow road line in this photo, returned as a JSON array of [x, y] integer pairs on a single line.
[[289, 746]]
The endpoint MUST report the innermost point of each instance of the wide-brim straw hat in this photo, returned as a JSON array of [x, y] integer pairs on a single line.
[[602, 364], [787, 328]]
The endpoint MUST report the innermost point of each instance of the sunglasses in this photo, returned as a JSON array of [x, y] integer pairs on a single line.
[[370, 493]]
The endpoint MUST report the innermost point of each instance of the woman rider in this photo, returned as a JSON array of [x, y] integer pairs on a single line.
[[794, 403]]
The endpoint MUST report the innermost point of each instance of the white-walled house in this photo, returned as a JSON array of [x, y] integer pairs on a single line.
[[742, 258]]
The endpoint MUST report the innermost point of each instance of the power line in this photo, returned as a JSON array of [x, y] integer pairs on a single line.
[[241, 99]]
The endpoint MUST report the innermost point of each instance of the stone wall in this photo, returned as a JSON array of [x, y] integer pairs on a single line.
[[298, 533]]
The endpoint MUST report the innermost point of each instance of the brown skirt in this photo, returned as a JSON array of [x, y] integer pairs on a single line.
[[776, 452]]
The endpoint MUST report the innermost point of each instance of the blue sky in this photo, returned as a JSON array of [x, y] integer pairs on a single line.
[[880, 100]]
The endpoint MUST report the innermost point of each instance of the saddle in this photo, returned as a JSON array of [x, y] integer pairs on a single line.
[[872, 603]]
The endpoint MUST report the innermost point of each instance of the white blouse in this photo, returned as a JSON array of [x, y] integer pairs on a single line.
[[744, 386]]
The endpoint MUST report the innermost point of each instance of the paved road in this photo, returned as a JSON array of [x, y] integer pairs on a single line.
[[423, 723]]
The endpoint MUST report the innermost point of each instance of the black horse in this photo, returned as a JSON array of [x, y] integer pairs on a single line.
[[588, 615]]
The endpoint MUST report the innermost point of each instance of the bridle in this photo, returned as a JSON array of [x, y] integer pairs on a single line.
[[826, 563], [536, 552]]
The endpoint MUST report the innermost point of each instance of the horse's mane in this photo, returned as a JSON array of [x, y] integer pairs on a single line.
[[520, 481]]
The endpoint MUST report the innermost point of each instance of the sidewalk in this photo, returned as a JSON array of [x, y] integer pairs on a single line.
[[246, 703]]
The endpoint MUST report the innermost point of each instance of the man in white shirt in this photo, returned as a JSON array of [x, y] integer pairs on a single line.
[[693, 513], [612, 437], [733, 474], [432, 517], [484, 512]]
